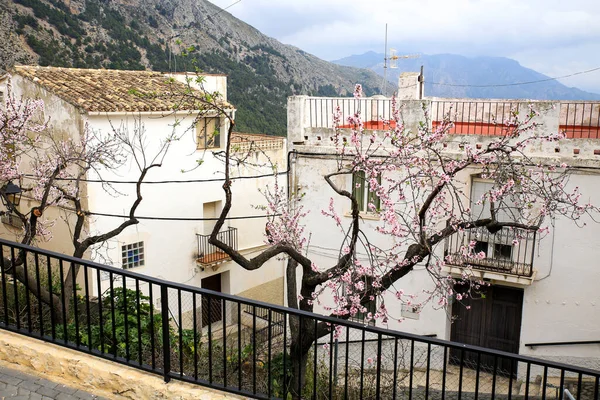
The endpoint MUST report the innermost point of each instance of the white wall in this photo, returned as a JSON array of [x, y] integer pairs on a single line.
[[562, 302], [171, 246]]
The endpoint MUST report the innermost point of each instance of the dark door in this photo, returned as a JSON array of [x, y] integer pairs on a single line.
[[211, 306], [493, 321]]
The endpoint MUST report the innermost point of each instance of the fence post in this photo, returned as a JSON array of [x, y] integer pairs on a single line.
[[166, 340]]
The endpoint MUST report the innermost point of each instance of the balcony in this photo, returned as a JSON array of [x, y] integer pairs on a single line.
[[508, 251], [477, 118], [211, 256]]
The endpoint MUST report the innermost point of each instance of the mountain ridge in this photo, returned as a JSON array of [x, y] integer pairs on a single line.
[[167, 35], [445, 73]]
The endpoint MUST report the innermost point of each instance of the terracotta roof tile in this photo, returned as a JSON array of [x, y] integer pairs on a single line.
[[244, 142], [103, 90]]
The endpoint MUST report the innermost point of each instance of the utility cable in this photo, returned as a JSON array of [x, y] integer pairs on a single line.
[[33, 177], [174, 218], [517, 83]]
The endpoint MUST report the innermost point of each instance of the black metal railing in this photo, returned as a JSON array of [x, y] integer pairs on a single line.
[[470, 117], [510, 250], [580, 120], [161, 327], [210, 254], [475, 117], [372, 111]]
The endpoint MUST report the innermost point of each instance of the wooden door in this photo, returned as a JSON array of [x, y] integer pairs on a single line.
[[493, 321], [214, 304]]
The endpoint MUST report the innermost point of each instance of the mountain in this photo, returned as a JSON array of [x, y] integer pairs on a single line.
[[444, 70], [178, 35]]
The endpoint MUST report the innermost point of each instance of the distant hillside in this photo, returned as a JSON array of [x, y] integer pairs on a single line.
[[137, 34], [459, 70]]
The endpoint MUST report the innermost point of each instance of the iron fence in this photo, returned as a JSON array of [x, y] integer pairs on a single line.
[[510, 250], [487, 118], [374, 112], [580, 120], [247, 347], [208, 253], [469, 117]]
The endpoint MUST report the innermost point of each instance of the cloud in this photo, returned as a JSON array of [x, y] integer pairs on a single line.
[[538, 33]]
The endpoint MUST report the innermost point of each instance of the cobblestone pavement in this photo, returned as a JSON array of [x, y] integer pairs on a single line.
[[15, 384]]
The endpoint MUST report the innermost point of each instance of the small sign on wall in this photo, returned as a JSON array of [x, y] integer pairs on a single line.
[[411, 311]]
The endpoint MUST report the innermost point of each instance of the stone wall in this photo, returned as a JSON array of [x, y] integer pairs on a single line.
[[93, 374], [270, 292]]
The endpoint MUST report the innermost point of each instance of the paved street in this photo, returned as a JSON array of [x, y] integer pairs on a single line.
[[15, 384]]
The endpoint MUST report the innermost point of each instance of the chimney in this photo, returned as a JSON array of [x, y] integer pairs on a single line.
[[408, 86]]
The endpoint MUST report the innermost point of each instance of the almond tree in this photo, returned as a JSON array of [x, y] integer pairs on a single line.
[[422, 203], [53, 171]]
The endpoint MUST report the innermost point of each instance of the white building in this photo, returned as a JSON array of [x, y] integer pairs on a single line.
[[544, 295], [172, 242]]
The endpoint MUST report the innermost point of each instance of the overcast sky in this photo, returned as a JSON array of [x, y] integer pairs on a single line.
[[554, 37]]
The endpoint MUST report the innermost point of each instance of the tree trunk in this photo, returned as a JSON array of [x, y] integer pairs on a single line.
[[302, 340], [299, 358]]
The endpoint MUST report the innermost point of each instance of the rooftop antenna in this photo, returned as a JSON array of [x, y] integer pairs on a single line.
[[385, 60], [392, 59]]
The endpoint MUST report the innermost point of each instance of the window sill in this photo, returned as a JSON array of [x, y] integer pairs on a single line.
[[365, 215]]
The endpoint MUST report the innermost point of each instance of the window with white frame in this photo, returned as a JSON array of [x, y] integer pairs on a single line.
[[208, 132], [364, 194], [132, 255]]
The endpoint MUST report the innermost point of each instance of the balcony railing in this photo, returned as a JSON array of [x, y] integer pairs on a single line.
[[208, 254], [470, 117], [154, 325], [509, 251]]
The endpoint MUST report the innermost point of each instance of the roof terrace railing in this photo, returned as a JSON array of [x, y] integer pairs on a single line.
[[245, 347], [470, 117]]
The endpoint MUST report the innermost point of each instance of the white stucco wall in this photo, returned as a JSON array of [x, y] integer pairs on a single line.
[[171, 247], [562, 302], [64, 120]]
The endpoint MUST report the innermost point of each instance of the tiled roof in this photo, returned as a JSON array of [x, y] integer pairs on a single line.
[[103, 90], [244, 142]]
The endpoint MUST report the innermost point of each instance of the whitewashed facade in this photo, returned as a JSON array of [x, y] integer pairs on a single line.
[[168, 247], [560, 297]]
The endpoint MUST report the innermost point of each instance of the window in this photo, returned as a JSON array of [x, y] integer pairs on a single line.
[[133, 255], [209, 133], [363, 193], [498, 251], [506, 210], [497, 247]]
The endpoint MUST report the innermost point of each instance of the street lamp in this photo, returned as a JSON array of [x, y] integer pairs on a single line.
[[11, 193]]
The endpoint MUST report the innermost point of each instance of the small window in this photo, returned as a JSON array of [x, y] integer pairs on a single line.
[[363, 194], [133, 255], [209, 133], [503, 252]]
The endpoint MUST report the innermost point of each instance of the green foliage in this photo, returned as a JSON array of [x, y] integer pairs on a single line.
[[259, 97], [267, 49], [115, 335], [50, 52], [64, 22], [327, 91], [23, 20]]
